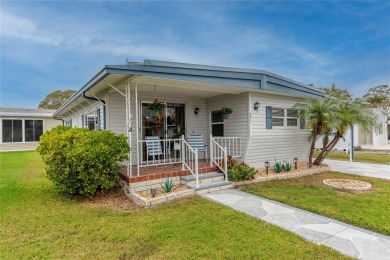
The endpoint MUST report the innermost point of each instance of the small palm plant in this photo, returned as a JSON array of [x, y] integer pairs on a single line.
[[167, 187]]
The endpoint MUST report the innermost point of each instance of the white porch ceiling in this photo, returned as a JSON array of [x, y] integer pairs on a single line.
[[179, 87]]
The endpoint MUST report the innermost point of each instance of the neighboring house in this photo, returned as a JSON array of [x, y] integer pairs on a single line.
[[373, 137], [21, 128], [264, 124]]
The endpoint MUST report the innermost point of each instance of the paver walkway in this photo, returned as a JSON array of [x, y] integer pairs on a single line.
[[349, 240], [358, 168]]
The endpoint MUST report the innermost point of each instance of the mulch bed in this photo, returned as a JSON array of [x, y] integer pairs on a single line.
[[347, 184], [160, 192], [301, 167], [114, 199]]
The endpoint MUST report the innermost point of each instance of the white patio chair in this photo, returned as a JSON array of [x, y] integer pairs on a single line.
[[197, 142], [154, 148]]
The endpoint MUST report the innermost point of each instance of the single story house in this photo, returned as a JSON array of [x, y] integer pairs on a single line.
[[376, 136], [21, 128], [263, 126]]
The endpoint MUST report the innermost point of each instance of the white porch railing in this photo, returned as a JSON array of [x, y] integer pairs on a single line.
[[233, 145], [218, 156], [190, 159], [159, 152]]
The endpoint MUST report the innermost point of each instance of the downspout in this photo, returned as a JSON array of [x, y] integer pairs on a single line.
[[104, 107], [92, 98]]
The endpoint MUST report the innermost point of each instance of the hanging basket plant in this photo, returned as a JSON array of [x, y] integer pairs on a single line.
[[155, 107], [226, 111]]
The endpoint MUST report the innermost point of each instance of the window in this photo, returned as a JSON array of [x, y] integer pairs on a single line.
[[277, 116], [284, 117], [292, 117], [12, 131], [33, 129], [217, 124], [91, 120], [381, 128]]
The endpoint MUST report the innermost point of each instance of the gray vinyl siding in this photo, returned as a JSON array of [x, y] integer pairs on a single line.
[[237, 123], [85, 109], [280, 142]]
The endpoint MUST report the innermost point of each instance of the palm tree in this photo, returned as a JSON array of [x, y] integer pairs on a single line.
[[319, 114], [347, 113]]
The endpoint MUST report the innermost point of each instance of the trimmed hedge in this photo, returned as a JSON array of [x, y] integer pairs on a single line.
[[80, 161]]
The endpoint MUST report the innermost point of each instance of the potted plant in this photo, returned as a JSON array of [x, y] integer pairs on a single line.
[[156, 107], [226, 111]]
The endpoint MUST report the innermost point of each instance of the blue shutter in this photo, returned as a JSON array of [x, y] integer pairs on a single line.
[[268, 117], [82, 121], [98, 119], [104, 117]]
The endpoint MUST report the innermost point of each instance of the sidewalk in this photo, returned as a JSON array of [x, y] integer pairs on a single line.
[[364, 169], [347, 239]]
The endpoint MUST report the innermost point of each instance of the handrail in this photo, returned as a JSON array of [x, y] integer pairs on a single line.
[[190, 159], [233, 145], [217, 153]]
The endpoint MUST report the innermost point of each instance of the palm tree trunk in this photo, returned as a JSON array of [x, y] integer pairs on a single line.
[[324, 149], [329, 148], [312, 146]]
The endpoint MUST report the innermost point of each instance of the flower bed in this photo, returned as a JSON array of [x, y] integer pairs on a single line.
[[302, 170], [144, 198]]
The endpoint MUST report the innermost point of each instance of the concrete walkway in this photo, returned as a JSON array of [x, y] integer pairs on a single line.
[[358, 168], [349, 240]]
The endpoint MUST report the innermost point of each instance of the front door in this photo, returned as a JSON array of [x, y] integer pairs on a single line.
[[169, 123]]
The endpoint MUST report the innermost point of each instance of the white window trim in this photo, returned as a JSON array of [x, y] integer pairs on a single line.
[[285, 119], [216, 123]]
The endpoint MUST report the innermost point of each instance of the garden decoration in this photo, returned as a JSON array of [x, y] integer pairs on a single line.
[[156, 107], [296, 162], [226, 111], [266, 164]]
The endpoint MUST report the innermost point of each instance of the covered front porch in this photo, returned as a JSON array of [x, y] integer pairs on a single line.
[[188, 136]]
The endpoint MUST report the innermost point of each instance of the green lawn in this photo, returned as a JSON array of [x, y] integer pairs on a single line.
[[368, 209], [36, 222], [359, 157]]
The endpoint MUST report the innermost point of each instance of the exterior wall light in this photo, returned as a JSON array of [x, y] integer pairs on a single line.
[[266, 164], [196, 111], [256, 106], [296, 162]]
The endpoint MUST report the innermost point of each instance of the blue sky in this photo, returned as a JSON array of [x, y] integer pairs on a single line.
[[50, 45]]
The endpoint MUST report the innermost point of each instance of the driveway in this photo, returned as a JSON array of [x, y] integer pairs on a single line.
[[364, 169]]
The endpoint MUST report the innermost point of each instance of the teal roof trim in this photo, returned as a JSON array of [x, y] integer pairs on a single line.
[[245, 78]]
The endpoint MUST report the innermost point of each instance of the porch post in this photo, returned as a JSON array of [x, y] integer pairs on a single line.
[[211, 150], [182, 152], [136, 125], [127, 129], [225, 162]]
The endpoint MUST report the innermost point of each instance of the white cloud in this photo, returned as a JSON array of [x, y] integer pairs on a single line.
[[24, 28]]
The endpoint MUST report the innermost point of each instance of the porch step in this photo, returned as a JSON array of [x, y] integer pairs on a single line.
[[202, 176], [210, 187]]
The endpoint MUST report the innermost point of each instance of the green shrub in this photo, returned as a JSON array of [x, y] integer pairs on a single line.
[[241, 172], [80, 161]]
